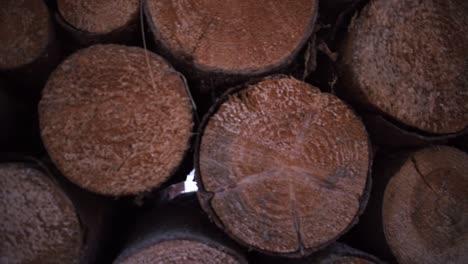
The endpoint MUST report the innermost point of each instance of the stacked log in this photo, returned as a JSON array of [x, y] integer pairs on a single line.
[[113, 124], [425, 207], [406, 61], [29, 51], [219, 45], [297, 99], [46, 220], [177, 231], [283, 167], [90, 22]]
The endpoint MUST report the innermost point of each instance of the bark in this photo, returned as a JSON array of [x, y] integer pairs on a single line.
[[391, 134], [335, 253]]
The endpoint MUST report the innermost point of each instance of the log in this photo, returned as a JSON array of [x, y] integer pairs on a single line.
[[368, 234], [47, 220], [177, 231], [383, 132], [38, 219], [114, 124], [282, 167], [425, 207], [29, 51], [340, 253], [407, 62], [220, 45], [89, 22], [335, 253]]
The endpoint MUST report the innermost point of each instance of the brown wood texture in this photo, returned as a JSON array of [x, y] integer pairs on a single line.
[[282, 167], [219, 44], [177, 231], [90, 22], [39, 221], [45, 219], [116, 120], [425, 213], [407, 60], [29, 49]]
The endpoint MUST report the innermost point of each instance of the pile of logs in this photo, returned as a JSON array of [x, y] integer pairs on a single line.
[[318, 132]]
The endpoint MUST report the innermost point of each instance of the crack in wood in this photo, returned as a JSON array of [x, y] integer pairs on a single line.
[[421, 175], [202, 36], [296, 219]]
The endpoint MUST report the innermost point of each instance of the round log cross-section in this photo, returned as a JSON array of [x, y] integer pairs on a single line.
[[409, 60], [283, 167], [425, 208], [236, 37], [104, 21], [180, 251], [178, 231], [116, 120], [25, 30], [38, 222], [98, 16]]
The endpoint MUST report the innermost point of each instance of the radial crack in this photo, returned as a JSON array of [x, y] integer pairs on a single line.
[[202, 36], [421, 175], [296, 219]]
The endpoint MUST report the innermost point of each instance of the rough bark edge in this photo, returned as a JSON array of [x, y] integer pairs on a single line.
[[126, 34], [208, 79], [390, 133], [342, 250], [328, 254], [91, 210], [177, 218], [204, 196]]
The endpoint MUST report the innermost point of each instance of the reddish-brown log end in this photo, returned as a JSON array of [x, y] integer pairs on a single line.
[[98, 16], [24, 31], [241, 37], [409, 60], [38, 222], [180, 251], [114, 124], [283, 167], [425, 209]]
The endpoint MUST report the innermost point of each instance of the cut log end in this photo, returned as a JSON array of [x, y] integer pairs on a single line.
[[98, 16], [38, 221], [24, 30], [233, 37], [112, 124], [425, 211], [410, 61], [284, 166], [180, 251]]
